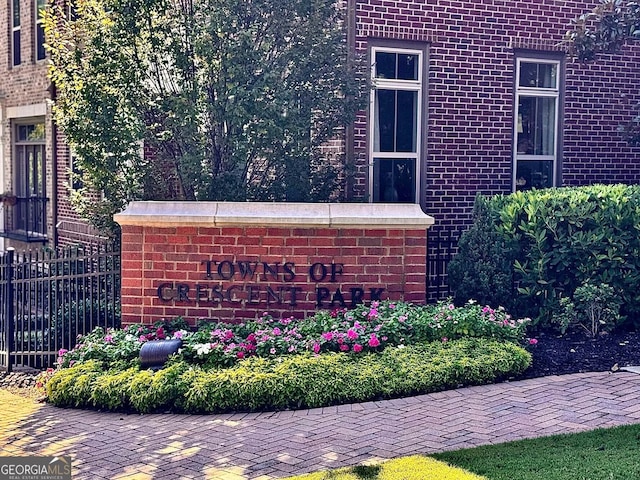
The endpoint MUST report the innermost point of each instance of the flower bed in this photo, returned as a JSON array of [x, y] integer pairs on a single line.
[[382, 350]]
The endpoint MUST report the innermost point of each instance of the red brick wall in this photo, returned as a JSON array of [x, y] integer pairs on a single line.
[[363, 258], [471, 50]]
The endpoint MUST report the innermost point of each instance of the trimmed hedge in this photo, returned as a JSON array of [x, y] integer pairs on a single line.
[[553, 241], [296, 381]]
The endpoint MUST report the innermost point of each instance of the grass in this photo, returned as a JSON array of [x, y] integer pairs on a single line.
[[408, 468], [604, 454]]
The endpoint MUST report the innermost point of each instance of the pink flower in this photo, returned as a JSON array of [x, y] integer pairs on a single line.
[[292, 348], [373, 313], [344, 347], [178, 334], [445, 339], [373, 341], [402, 318], [451, 306], [357, 348], [62, 351], [251, 337], [392, 305], [160, 333], [352, 334], [385, 338], [533, 341], [277, 331], [272, 351], [328, 336], [108, 339], [316, 347], [142, 339], [240, 355]]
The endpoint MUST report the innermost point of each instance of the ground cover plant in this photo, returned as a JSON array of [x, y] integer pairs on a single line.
[[381, 350]]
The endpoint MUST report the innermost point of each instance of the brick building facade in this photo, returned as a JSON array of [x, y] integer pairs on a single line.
[[500, 106], [467, 97]]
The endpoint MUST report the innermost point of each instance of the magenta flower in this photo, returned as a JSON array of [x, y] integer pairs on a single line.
[[328, 336], [533, 341], [357, 348], [240, 355], [352, 334], [373, 341], [108, 339], [316, 347], [445, 339], [277, 331], [344, 347], [62, 351]]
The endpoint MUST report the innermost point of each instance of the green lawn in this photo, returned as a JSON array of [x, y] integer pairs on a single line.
[[605, 454]]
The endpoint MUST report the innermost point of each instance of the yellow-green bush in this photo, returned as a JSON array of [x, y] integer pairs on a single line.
[[294, 381]]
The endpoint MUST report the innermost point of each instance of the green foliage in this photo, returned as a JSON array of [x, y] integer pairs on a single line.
[[233, 100], [566, 237], [294, 381], [483, 268], [595, 308], [366, 328]]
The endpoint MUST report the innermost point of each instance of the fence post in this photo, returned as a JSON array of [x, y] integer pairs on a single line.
[[9, 320]]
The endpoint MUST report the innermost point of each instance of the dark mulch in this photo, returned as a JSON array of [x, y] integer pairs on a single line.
[[576, 352]]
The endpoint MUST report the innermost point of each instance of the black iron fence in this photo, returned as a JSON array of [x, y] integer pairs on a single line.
[[441, 246], [49, 297]]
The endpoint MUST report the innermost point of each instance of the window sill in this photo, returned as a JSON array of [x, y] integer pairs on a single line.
[[23, 236]]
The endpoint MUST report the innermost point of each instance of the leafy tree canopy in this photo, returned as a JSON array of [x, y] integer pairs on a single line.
[[230, 100], [606, 29]]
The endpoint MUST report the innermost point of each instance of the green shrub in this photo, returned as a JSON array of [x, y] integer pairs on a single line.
[[595, 308], [560, 239], [294, 381], [483, 270]]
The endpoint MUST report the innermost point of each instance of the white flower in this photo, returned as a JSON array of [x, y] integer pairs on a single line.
[[130, 338], [202, 348]]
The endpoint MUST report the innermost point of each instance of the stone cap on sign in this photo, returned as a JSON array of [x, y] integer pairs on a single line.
[[274, 214]]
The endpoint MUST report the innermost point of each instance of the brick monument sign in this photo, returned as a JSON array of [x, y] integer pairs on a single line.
[[231, 261]]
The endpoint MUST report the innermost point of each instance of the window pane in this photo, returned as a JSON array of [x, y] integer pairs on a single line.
[[536, 126], [385, 120], [16, 13], [538, 75], [406, 130], [40, 52], [534, 174], [407, 67], [394, 180], [385, 65], [16, 47]]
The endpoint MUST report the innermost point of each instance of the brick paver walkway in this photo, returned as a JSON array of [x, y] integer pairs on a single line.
[[272, 445]]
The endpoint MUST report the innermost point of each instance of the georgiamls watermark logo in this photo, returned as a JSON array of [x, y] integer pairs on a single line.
[[35, 468]]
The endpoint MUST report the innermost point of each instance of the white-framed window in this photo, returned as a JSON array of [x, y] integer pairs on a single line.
[[16, 58], [535, 159], [40, 52], [395, 117]]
